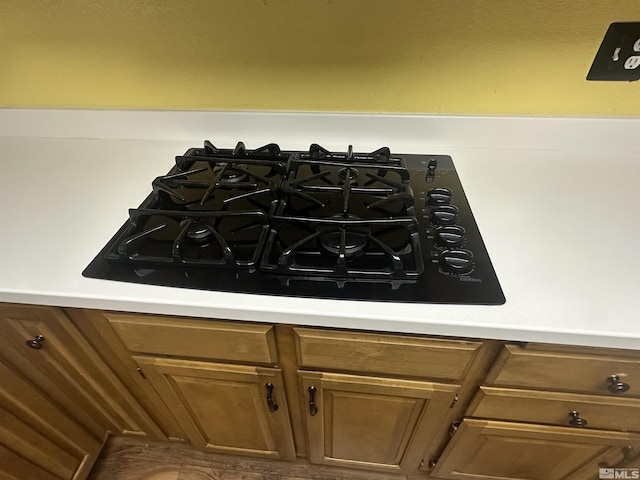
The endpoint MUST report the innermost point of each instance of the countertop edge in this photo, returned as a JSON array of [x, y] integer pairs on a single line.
[[363, 323]]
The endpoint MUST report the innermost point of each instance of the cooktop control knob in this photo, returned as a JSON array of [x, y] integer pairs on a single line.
[[458, 261], [450, 236], [444, 215], [439, 196]]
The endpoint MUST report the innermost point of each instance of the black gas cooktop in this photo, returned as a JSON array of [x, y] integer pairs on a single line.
[[341, 225]]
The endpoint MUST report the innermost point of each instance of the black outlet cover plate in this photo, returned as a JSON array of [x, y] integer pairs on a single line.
[[622, 35]]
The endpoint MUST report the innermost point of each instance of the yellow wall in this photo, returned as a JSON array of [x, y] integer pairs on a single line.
[[427, 56]]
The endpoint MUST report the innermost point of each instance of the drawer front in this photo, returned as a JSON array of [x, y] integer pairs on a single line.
[[555, 408], [566, 370], [387, 354], [195, 338]]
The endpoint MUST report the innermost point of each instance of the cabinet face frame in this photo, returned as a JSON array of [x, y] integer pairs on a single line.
[[195, 390], [348, 407], [564, 453]]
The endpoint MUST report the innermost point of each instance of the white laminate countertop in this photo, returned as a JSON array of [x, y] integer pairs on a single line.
[[555, 200]]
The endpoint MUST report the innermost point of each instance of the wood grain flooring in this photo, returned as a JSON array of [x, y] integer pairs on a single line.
[[128, 458]]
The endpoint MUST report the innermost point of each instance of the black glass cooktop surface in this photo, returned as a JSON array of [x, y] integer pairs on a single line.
[[340, 225]]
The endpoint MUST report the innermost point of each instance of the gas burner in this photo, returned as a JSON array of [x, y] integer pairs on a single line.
[[350, 173], [344, 240], [231, 174], [197, 230]]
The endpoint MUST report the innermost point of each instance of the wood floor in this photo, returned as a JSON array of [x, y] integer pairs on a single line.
[[126, 458]]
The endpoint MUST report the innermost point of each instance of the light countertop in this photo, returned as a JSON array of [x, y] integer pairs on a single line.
[[555, 200]]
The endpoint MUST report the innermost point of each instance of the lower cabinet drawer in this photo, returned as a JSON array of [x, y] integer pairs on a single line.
[[495, 450], [196, 338], [556, 408], [376, 353], [585, 370]]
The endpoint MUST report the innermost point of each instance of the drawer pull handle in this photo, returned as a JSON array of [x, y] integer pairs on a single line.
[[626, 453], [616, 385], [273, 406], [36, 342], [576, 421], [312, 401]]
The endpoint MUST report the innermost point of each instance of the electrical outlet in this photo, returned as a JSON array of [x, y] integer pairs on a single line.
[[619, 55]]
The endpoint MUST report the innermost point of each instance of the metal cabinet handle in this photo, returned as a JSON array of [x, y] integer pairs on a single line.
[[616, 385], [312, 401], [273, 406], [576, 421], [626, 453], [36, 342]]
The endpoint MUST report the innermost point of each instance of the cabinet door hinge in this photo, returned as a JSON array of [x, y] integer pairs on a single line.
[[454, 401], [141, 373], [454, 428]]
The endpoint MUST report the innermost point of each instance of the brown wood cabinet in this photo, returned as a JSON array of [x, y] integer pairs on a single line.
[[553, 413], [46, 426], [368, 400], [379, 400], [212, 383]]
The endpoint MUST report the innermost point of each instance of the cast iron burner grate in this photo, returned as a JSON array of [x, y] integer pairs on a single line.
[[221, 180], [345, 218], [207, 239]]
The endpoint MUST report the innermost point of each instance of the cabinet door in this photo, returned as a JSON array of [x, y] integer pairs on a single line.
[[66, 367], [95, 327], [232, 409], [38, 439], [483, 449], [371, 422]]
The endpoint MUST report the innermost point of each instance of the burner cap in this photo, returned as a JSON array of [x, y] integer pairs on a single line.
[[350, 173], [198, 231], [231, 174], [355, 238]]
